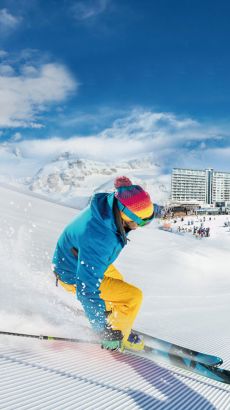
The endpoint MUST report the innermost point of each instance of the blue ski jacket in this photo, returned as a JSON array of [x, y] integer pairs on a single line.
[[85, 249]]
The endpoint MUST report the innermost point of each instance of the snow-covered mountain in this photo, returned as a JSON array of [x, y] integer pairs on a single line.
[[67, 178], [72, 180]]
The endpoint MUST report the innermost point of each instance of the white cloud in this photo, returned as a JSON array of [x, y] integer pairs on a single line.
[[24, 96], [8, 21], [6, 70], [29, 70], [91, 147], [87, 9], [172, 141], [160, 130], [3, 53], [16, 137]]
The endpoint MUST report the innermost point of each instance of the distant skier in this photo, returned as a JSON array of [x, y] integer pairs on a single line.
[[83, 258]]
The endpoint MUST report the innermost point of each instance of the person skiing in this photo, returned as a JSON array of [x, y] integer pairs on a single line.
[[84, 256]]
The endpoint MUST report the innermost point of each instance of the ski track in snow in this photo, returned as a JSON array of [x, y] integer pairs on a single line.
[[185, 281]]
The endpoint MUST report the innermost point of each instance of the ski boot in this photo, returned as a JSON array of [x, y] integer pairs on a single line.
[[111, 339], [134, 342]]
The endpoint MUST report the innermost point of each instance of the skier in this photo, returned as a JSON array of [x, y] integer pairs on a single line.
[[83, 258]]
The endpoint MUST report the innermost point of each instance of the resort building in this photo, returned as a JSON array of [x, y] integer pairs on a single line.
[[200, 186]]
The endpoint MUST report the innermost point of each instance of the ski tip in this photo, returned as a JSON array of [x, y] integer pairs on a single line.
[[219, 361]]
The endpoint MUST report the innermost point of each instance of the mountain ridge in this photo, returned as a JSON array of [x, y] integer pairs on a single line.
[[70, 179]]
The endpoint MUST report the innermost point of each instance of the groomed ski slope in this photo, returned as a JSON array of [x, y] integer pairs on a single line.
[[186, 285]]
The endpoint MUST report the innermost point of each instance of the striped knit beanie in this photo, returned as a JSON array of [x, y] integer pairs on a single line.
[[134, 198]]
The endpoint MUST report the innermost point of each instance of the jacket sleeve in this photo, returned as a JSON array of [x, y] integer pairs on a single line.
[[93, 260]]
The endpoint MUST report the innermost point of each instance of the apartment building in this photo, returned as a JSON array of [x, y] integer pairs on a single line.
[[205, 186]]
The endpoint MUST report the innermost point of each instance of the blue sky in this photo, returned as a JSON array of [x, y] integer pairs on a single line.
[[76, 68]]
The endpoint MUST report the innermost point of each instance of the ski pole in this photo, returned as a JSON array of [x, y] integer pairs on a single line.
[[46, 337]]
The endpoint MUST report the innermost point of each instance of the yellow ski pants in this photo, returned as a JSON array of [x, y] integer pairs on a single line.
[[121, 299]]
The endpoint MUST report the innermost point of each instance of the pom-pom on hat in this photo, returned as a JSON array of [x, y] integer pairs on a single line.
[[133, 197], [122, 181]]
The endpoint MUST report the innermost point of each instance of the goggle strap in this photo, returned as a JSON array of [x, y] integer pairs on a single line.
[[129, 213]]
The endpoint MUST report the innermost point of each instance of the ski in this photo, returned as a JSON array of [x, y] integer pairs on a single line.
[[212, 372], [166, 348], [152, 345], [173, 357]]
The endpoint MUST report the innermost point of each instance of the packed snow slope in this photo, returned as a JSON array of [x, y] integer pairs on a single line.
[[185, 281]]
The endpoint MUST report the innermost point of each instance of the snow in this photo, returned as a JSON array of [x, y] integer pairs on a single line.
[[185, 281], [70, 179]]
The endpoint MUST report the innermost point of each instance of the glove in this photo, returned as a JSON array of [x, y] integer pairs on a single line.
[[111, 339], [157, 211]]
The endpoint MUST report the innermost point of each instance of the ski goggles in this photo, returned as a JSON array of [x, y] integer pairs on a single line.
[[140, 222]]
